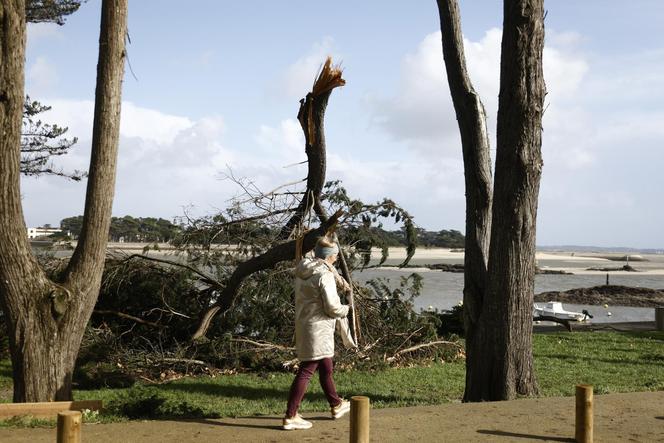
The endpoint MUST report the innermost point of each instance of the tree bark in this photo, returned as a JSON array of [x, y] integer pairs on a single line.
[[505, 334], [311, 116], [471, 119], [46, 319], [498, 293]]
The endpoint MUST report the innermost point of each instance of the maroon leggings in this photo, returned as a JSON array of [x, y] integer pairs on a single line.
[[304, 374]]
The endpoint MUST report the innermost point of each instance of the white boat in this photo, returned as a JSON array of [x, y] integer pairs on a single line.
[[555, 309]]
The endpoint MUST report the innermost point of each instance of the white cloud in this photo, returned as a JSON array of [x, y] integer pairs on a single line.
[[422, 114], [41, 76], [298, 78], [150, 124], [165, 162], [602, 135], [38, 32], [286, 139], [563, 73]]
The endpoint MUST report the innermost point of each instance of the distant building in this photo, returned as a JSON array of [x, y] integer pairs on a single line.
[[42, 231]]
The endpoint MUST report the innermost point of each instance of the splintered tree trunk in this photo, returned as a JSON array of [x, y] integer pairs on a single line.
[[505, 336], [45, 319], [311, 116], [471, 119]]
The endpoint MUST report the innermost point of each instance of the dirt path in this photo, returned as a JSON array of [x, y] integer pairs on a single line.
[[635, 417]]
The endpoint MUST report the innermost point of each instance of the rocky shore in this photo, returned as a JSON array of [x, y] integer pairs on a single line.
[[607, 294]]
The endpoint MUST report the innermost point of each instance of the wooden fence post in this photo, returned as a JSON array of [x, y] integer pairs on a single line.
[[359, 419], [659, 318], [69, 427], [584, 414]]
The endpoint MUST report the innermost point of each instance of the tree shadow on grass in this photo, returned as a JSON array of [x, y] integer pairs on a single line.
[[648, 361], [5, 369], [262, 393], [527, 436]]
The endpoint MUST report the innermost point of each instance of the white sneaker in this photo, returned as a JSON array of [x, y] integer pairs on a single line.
[[341, 409], [297, 422]]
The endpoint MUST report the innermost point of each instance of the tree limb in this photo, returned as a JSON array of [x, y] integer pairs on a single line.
[[425, 345], [127, 316], [281, 252], [205, 278]]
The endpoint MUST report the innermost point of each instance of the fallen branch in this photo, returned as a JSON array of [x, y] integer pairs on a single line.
[[425, 345], [204, 278], [281, 252], [128, 317], [184, 360], [264, 346]]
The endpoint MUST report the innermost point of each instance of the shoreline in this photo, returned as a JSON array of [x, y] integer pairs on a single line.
[[554, 270]]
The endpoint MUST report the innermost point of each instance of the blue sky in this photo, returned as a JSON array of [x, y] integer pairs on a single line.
[[217, 86]]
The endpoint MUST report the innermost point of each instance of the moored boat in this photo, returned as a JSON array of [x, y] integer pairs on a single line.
[[555, 309]]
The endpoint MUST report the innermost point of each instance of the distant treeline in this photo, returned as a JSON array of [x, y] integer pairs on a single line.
[[428, 239], [150, 229], [128, 229]]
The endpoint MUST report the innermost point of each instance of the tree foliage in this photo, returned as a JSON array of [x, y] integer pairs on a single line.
[[40, 142], [129, 229], [144, 318], [50, 11]]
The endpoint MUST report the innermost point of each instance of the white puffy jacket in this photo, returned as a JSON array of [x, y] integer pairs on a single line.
[[317, 306]]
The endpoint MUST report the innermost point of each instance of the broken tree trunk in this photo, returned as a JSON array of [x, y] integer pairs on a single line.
[[311, 116]]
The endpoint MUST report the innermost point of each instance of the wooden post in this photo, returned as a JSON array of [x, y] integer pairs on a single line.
[[359, 419], [584, 414], [659, 318], [69, 427]]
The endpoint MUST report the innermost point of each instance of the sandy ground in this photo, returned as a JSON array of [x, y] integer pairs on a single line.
[[635, 417], [573, 262]]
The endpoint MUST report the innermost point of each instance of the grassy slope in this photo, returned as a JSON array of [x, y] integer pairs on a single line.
[[612, 362]]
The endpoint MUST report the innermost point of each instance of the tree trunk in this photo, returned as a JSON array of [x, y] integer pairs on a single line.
[[505, 336], [46, 320], [471, 119], [311, 116], [498, 294]]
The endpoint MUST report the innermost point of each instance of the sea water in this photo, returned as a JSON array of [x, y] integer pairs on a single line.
[[443, 290]]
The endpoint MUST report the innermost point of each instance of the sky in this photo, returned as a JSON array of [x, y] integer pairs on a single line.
[[212, 89]]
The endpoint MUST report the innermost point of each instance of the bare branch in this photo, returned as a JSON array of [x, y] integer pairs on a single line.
[[425, 345], [127, 316], [281, 252]]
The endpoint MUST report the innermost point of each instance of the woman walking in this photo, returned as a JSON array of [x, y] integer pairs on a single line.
[[317, 308]]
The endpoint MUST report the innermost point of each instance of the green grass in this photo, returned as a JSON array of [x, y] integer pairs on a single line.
[[611, 361]]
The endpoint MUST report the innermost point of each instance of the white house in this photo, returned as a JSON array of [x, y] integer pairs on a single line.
[[42, 231]]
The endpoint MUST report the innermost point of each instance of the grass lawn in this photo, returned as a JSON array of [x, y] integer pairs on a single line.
[[611, 361]]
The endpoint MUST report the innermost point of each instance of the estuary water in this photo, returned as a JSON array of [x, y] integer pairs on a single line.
[[443, 290]]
